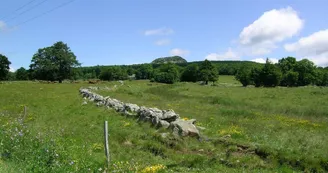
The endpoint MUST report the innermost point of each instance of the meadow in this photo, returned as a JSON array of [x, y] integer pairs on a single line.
[[246, 129]]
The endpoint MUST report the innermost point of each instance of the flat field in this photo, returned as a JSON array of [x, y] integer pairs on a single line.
[[246, 129]]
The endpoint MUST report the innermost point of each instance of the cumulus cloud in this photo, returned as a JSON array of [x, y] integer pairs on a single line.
[[179, 52], [229, 55], [272, 27], [263, 60], [163, 42], [159, 31], [313, 47]]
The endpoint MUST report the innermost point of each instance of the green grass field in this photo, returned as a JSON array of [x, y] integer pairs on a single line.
[[271, 129]]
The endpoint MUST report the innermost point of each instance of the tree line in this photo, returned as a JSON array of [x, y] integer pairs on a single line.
[[58, 62], [287, 72]]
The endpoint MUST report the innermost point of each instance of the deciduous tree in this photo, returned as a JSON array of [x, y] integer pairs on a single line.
[[4, 67], [54, 62]]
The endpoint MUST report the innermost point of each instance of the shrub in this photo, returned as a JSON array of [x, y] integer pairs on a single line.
[[168, 73], [244, 76]]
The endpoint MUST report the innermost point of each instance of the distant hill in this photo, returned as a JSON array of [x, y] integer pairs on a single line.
[[171, 59]]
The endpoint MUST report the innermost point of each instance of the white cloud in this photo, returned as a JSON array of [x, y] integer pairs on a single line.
[[263, 60], [229, 55], [179, 52], [272, 27], [12, 69], [313, 47], [159, 31], [163, 42]]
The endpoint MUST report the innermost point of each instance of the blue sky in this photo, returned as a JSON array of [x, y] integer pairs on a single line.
[[108, 32]]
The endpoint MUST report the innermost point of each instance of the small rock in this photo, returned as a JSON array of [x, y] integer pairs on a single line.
[[155, 121], [127, 143], [169, 115], [84, 103], [226, 136], [186, 128], [200, 128], [163, 124], [164, 135]]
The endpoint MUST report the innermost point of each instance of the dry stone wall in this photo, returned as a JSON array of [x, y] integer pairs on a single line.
[[159, 118]]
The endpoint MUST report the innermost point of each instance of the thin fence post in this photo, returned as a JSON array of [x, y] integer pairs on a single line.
[[106, 144], [25, 112]]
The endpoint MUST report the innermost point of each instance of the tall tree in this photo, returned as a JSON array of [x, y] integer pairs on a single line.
[[306, 71], [287, 64], [287, 67], [54, 62], [270, 75], [244, 75], [21, 74], [190, 74], [208, 72], [145, 71], [4, 67]]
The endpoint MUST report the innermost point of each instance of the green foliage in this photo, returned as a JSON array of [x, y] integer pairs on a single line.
[[145, 71], [4, 67], [321, 77], [288, 72], [208, 72], [167, 73], [287, 64], [306, 71], [131, 71], [270, 75], [113, 73], [171, 59], [21, 74], [291, 78], [244, 75], [53, 63], [256, 77], [190, 73]]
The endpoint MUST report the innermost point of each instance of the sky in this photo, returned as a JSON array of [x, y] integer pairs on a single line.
[[116, 32]]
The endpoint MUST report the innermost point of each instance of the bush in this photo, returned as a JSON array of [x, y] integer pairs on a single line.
[[190, 74], [113, 73], [270, 75], [244, 76], [145, 71], [167, 73], [291, 78]]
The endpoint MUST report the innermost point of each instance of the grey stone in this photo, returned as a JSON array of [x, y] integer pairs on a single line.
[[200, 128], [169, 115], [150, 112], [164, 135], [131, 108], [84, 103], [163, 124], [185, 128], [155, 121], [100, 103]]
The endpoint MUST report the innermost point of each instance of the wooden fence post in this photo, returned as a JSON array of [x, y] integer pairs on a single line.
[[106, 144], [25, 112]]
